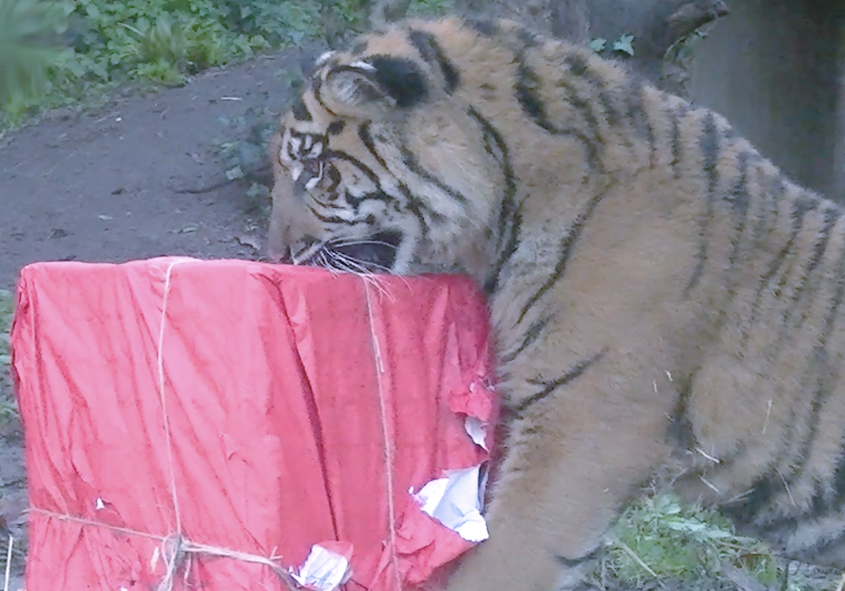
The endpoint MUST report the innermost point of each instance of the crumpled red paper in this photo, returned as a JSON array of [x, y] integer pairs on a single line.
[[274, 393]]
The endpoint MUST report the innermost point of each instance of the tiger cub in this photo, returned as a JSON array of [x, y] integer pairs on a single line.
[[665, 301]]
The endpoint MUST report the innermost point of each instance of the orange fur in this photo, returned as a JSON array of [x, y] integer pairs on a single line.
[[665, 301]]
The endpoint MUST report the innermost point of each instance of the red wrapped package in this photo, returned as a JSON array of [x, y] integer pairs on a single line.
[[239, 425]]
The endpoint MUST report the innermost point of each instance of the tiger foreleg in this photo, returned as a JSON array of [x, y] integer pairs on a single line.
[[572, 463]]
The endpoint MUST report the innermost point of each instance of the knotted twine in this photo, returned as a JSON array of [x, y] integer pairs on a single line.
[[175, 548]]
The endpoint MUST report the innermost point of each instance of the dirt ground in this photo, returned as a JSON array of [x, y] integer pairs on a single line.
[[109, 186]]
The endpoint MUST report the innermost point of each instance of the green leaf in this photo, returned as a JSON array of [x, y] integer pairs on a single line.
[[257, 191], [597, 44], [624, 44]]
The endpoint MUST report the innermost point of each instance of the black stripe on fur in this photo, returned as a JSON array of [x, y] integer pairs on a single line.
[[531, 335], [432, 53], [410, 160], [510, 220], [549, 386], [300, 110], [567, 246], [414, 204], [800, 208], [709, 146]]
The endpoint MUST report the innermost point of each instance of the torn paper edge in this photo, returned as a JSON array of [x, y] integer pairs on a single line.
[[456, 501], [477, 432], [323, 570], [474, 425]]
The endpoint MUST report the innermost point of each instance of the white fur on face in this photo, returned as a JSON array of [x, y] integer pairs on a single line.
[[296, 170], [312, 182], [324, 58], [362, 65]]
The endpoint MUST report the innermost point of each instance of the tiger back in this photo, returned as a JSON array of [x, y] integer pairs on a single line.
[[665, 301]]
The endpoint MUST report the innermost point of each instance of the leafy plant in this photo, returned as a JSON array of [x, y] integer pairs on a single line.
[[30, 31], [7, 309], [660, 539], [430, 7], [624, 44], [161, 50], [243, 154], [8, 408], [111, 42], [598, 44]]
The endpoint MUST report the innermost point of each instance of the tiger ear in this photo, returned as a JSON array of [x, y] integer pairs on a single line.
[[352, 88], [374, 87]]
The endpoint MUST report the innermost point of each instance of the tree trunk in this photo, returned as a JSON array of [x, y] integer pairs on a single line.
[[659, 27]]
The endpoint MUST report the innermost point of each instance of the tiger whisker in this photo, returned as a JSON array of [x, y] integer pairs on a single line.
[[360, 243], [324, 262], [375, 277], [378, 282], [334, 264], [382, 268], [348, 265], [354, 267], [365, 267], [349, 262], [351, 265]]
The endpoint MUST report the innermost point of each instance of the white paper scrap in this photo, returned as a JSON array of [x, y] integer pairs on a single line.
[[476, 431], [455, 501], [323, 570]]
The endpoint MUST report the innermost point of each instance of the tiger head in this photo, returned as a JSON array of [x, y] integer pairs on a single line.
[[379, 164]]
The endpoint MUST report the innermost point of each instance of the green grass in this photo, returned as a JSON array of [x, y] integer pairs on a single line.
[[8, 406], [659, 539], [7, 310], [659, 536], [157, 42], [73, 52]]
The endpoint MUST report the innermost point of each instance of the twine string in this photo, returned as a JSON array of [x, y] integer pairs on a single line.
[[161, 392], [176, 548], [385, 431]]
